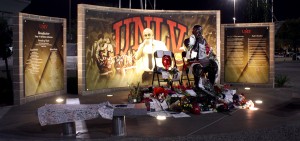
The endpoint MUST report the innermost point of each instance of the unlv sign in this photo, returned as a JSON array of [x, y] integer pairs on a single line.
[[246, 31], [173, 40], [43, 26]]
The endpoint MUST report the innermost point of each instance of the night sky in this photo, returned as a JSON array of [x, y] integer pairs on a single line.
[[60, 8]]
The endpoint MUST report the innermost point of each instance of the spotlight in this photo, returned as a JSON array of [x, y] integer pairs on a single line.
[[59, 100], [253, 108], [258, 101], [247, 88], [159, 117]]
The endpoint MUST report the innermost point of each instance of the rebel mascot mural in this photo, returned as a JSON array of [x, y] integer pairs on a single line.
[[112, 39]]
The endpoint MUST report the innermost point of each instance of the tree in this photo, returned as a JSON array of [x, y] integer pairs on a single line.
[[289, 33], [5, 51], [258, 11]]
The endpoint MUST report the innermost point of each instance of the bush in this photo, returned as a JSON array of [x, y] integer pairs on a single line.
[[281, 80]]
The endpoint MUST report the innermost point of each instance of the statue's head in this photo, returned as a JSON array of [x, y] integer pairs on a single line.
[[197, 31], [147, 33]]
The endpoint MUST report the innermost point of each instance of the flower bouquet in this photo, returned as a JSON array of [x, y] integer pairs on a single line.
[[135, 93]]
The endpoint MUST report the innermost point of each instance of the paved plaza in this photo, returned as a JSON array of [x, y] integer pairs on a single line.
[[278, 118]]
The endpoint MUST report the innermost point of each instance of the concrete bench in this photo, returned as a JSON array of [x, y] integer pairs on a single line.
[[67, 114], [123, 110]]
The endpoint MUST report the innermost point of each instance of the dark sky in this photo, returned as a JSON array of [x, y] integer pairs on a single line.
[[60, 8]]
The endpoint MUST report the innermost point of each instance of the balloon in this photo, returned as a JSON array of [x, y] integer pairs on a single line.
[[166, 61]]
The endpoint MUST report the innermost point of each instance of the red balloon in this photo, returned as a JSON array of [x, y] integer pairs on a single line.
[[166, 61]]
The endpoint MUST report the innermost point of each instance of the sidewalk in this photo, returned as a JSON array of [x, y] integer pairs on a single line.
[[278, 118]]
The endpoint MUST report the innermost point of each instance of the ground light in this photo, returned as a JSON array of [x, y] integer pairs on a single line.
[[161, 117], [59, 100], [247, 88], [109, 95], [253, 108], [258, 101]]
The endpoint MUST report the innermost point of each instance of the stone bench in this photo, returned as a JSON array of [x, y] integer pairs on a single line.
[[67, 114], [122, 110]]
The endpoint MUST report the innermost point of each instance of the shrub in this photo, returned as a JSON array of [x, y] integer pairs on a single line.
[[281, 80]]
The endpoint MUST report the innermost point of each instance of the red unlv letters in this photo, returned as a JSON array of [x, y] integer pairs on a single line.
[[43, 26], [246, 31], [132, 28]]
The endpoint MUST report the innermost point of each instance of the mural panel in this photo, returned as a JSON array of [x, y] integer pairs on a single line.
[[247, 54], [43, 57], [112, 39]]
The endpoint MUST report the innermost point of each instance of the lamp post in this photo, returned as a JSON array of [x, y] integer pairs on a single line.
[[272, 12], [69, 22], [234, 12]]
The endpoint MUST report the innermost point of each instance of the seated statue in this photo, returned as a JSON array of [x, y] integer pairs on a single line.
[[201, 58]]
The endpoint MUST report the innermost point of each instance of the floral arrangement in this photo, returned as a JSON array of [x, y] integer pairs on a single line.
[[134, 93], [180, 98]]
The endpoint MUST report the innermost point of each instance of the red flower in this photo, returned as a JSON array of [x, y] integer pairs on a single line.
[[158, 90]]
